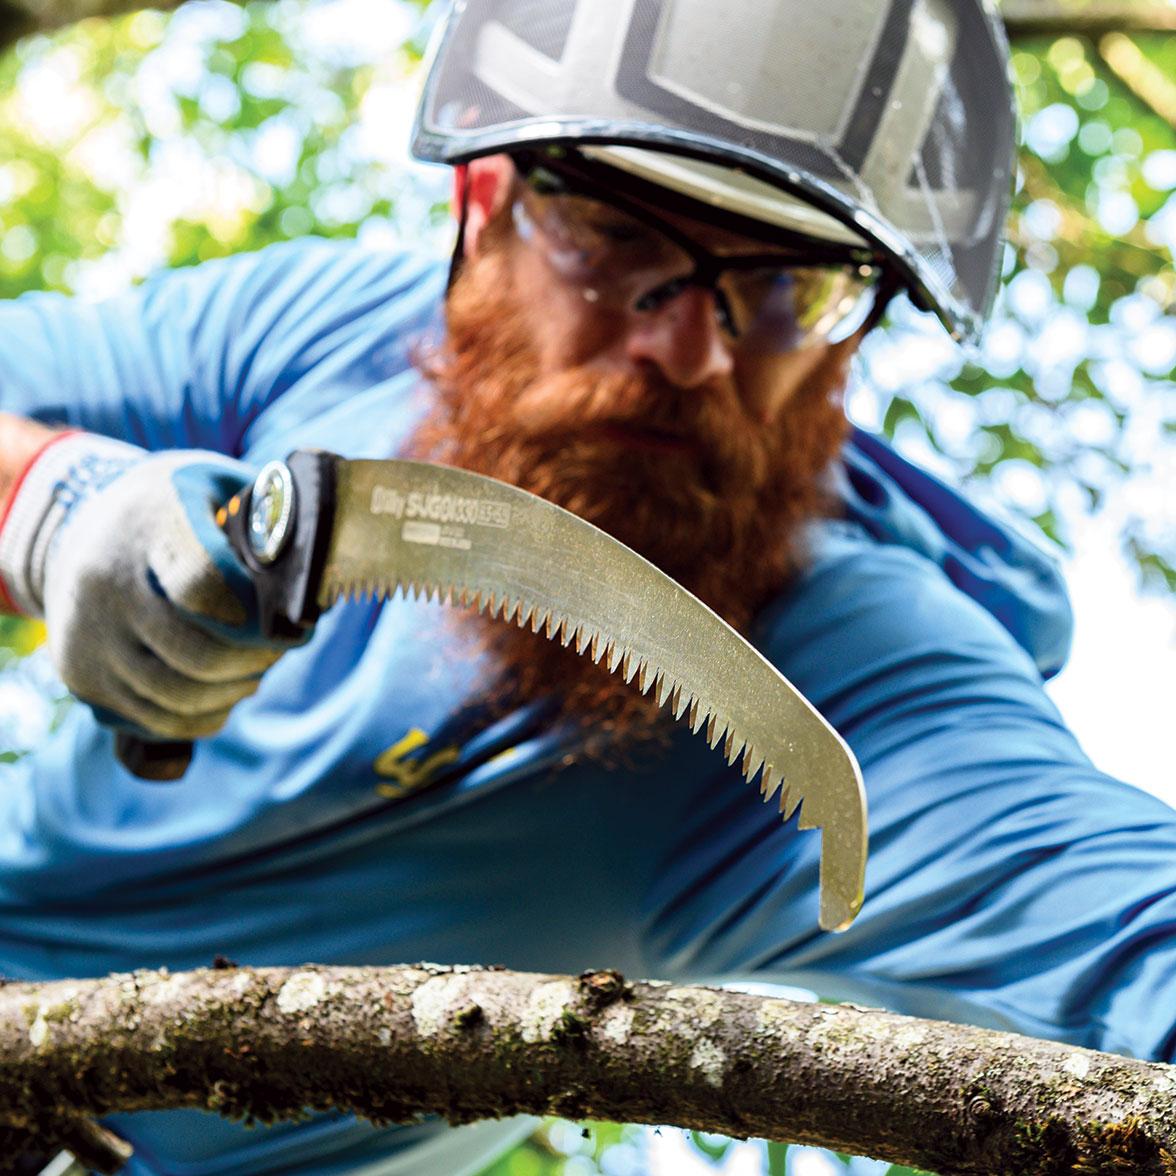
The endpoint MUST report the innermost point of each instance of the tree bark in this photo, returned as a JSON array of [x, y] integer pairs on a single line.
[[20, 18], [471, 1043], [1022, 18], [1054, 18]]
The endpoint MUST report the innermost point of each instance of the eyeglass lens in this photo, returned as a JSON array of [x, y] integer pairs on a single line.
[[765, 301]]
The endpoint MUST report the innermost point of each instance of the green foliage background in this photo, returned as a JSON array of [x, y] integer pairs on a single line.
[[281, 119]]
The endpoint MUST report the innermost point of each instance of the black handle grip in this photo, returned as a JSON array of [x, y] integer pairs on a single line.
[[159, 760], [286, 576]]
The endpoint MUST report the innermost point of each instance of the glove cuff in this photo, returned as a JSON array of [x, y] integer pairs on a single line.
[[67, 469]]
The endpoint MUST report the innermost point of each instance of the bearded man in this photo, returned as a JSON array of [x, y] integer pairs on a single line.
[[677, 222]]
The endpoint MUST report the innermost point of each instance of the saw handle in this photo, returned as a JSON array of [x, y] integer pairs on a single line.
[[279, 529]]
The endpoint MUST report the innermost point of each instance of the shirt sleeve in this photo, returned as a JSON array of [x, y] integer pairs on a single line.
[[194, 357], [1010, 883]]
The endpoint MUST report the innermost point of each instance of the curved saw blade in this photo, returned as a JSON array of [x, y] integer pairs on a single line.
[[470, 539]]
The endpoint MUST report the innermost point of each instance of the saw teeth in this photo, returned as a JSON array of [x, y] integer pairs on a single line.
[[788, 803], [752, 762], [583, 637], [712, 730], [668, 691], [770, 783], [628, 665], [732, 747], [703, 717]]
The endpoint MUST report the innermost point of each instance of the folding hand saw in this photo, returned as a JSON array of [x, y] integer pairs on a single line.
[[319, 527]]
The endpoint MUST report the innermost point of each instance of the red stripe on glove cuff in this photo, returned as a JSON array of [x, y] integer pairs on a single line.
[[7, 604]]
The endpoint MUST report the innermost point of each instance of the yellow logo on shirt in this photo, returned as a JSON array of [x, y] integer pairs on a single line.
[[405, 768]]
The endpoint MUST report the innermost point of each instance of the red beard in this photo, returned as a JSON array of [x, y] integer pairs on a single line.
[[689, 479]]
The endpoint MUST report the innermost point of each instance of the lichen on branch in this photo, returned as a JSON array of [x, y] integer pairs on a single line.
[[466, 1043]]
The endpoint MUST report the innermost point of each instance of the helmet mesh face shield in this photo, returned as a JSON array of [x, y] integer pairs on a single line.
[[893, 117]]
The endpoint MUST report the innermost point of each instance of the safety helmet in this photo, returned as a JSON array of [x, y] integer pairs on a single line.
[[888, 122]]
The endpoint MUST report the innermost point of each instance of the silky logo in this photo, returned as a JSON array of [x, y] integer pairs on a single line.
[[405, 767], [435, 507]]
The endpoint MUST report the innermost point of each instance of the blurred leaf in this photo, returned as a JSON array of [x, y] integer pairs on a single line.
[[777, 1160], [20, 636], [714, 1147]]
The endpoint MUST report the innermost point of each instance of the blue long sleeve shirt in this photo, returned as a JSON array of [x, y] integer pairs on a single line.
[[363, 808]]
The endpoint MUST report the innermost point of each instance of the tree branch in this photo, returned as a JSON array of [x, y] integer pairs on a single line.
[[20, 18], [1146, 80], [43, 15], [1022, 18], [1050, 18], [465, 1043]]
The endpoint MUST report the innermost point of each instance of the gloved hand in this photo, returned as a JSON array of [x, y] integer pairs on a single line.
[[151, 618]]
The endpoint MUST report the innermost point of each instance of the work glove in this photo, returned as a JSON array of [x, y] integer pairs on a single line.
[[151, 618]]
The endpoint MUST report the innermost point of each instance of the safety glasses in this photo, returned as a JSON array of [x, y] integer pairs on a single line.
[[623, 256]]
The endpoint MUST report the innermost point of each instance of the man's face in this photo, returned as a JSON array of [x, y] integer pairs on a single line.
[[645, 422], [682, 342]]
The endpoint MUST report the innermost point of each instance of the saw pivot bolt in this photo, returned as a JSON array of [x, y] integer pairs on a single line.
[[271, 511]]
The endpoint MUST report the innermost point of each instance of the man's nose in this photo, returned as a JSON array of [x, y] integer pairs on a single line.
[[683, 338]]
